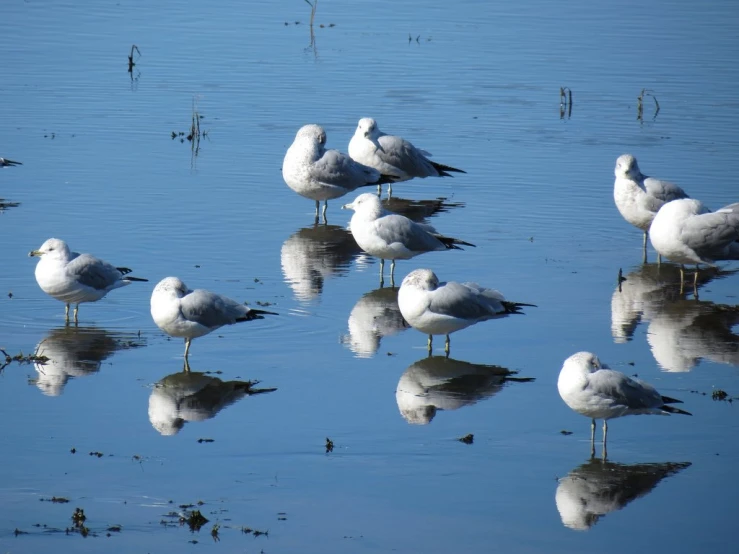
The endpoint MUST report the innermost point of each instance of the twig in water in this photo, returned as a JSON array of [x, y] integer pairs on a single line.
[[131, 63], [640, 104], [565, 102]]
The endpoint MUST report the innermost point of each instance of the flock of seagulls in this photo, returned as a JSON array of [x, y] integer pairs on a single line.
[[680, 228]]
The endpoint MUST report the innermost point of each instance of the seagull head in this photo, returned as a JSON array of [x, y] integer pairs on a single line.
[[52, 248], [311, 133], [367, 127], [423, 279], [627, 167], [585, 361], [366, 203], [171, 286]]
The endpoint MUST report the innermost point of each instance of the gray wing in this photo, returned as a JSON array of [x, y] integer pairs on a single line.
[[461, 301], [622, 390], [712, 232], [93, 272], [210, 309], [397, 228], [337, 169], [660, 192], [400, 153]]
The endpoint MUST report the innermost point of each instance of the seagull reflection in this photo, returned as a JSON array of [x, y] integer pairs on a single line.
[[74, 351], [440, 383], [192, 396], [374, 316], [681, 331], [313, 254], [599, 487]]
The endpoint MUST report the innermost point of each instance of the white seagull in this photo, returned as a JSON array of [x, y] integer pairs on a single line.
[[687, 232], [75, 278], [639, 197], [319, 174], [189, 314], [394, 156], [438, 308], [594, 390], [391, 236]]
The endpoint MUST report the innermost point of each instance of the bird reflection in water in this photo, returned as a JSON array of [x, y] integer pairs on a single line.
[[320, 251], [440, 383], [74, 351], [680, 330], [599, 487], [194, 396], [374, 316]]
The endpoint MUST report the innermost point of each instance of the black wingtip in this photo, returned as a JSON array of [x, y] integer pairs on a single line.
[[442, 169], [139, 279], [515, 307], [124, 270], [673, 410], [253, 314], [668, 400]]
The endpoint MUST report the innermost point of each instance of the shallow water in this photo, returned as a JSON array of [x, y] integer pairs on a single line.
[[480, 89]]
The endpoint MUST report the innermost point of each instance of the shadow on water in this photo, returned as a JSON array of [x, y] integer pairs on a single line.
[[375, 315], [188, 396], [681, 330], [439, 383], [72, 351], [320, 251], [599, 487]]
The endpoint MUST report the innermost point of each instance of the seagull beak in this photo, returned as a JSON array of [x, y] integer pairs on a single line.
[[33, 253], [348, 206]]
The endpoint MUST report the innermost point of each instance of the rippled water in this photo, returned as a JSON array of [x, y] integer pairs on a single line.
[[478, 85]]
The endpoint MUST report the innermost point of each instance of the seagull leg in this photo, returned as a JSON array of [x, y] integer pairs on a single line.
[[392, 281], [76, 309], [389, 190], [446, 346], [592, 438], [605, 432], [379, 190], [318, 205], [325, 207], [430, 343], [659, 258], [382, 273], [392, 270], [644, 249], [186, 368], [66, 314], [187, 348]]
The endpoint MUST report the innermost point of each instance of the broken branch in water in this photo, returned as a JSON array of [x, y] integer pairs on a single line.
[[131, 63], [565, 102], [640, 104]]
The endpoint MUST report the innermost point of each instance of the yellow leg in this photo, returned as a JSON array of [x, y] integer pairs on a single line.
[[318, 206], [592, 438], [76, 309], [66, 313], [430, 343], [187, 347], [446, 346]]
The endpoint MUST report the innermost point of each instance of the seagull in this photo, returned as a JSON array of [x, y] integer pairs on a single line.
[[687, 232], [391, 236], [394, 156], [592, 389], [639, 197], [319, 174], [75, 278], [438, 308], [181, 312], [5, 162]]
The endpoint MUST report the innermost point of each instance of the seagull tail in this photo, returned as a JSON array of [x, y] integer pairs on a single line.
[[444, 169], [385, 180], [673, 410]]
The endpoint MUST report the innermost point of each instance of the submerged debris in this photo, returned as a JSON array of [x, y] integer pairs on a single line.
[[469, 438], [719, 394], [329, 445], [21, 359], [194, 519]]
